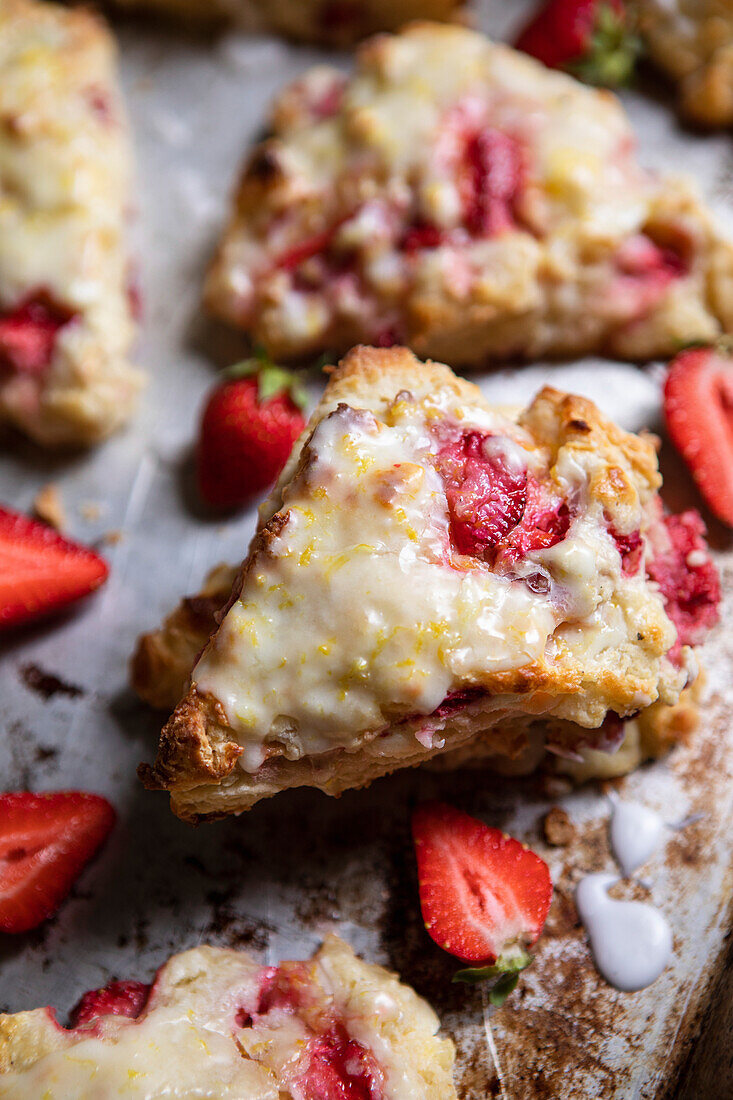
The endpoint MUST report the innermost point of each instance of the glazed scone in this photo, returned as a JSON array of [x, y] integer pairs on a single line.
[[66, 312], [163, 660], [428, 569], [692, 40], [217, 1024], [327, 22], [458, 197]]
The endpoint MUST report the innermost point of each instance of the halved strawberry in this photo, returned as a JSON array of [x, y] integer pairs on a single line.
[[484, 896], [698, 408], [40, 570], [45, 842], [125, 998]]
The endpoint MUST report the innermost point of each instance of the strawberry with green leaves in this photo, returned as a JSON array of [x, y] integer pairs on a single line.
[[248, 429], [484, 896], [591, 39]]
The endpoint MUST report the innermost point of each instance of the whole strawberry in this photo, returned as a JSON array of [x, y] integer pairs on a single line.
[[592, 39], [248, 429]]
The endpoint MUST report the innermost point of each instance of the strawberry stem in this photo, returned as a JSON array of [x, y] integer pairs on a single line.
[[272, 379], [612, 51], [503, 974]]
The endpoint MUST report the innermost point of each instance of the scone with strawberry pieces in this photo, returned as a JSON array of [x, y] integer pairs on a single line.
[[429, 570], [217, 1024], [327, 22], [66, 310], [692, 40], [458, 197]]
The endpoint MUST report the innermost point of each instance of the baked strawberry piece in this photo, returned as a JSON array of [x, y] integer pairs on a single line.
[[66, 318], [430, 575], [45, 842], [484, 896], [41, 571], [457, 197], [216, 1023]]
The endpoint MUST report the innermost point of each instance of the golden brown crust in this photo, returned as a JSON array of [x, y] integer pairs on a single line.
[[194, 747], [161, 665], [198, 748], [546, 292]]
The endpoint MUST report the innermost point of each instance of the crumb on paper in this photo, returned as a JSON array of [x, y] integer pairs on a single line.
[[112, 538], [48, 507], [90, 511], [558, 828], [556, 786]]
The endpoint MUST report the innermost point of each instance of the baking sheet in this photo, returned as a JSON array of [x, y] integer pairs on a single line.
[[277, 879]]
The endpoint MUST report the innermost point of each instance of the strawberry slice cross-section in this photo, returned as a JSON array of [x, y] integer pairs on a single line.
[[45, 842], [484, 896], [40, 570], [698, 409]]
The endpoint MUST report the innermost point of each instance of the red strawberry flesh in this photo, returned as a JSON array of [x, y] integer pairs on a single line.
[[339, 1068], [497, 513], [486, 498], [483, 894], [28, 335], [40, 570], [126, 998], [698, 408], [492, 182], [45, 842], [686, 576]]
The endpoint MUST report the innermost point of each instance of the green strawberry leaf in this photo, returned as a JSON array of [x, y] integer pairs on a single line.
[[503, 974], [612, 52], [271, 378]]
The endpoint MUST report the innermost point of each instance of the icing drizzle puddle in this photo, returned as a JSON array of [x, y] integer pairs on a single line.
[[631, 941]]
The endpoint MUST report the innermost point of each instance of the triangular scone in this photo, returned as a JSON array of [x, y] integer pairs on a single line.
[[692, 40], [326, 22], [456, 196], [66, 307], [215, 1023], [428, 569]]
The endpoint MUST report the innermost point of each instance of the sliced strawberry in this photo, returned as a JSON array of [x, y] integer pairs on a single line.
[[45, 842], [484, 896], [116, 999], [687, 578], [40, 570], [28, 334], [698, 408], [248, 429]]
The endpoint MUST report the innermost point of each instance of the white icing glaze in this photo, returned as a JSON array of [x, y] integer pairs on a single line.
[[355, 613], [630, 940], [636, 832], [188, 1042]]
